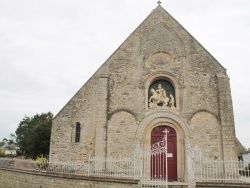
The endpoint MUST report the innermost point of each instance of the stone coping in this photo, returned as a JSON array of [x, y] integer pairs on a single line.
[[177, 183], [222, 184], [74, 176]]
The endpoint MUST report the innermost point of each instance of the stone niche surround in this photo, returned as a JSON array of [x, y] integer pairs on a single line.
[[161, 94], [153, 79]]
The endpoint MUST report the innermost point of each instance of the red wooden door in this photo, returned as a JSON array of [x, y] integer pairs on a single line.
[[158, 165]]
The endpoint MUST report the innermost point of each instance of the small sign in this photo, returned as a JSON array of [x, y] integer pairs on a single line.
[[170, 155]]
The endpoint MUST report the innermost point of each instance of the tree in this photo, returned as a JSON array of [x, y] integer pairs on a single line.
[[248, 151], [2, 143], [11, 142], [2, 153], [33, 135]]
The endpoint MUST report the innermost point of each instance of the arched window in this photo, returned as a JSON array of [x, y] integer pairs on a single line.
[[78, 132], [161, 93]]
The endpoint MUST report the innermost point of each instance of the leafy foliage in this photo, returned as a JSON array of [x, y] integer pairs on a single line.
[[41, 158], [2, 154], [42, 162], [2, 143], [11, 142], [33, 135]]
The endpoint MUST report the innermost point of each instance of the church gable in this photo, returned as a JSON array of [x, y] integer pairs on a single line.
[[161, 72], [159, 44]]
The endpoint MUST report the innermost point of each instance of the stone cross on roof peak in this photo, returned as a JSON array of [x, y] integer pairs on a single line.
[[159, 2]]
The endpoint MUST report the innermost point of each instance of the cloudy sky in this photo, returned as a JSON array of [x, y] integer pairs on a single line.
[[49, 48]]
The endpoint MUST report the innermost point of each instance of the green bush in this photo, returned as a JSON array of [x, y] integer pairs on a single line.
[[41, 162], [2, 153]]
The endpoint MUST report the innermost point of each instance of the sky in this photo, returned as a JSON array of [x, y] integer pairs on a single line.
[[50, 48]]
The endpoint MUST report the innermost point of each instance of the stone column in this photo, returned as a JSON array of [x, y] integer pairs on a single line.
[[229, 150], [101, 121]]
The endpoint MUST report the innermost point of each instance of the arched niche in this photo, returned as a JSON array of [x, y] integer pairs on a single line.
[[155, 84]]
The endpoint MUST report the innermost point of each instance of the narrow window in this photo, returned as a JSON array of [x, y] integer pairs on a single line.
[[78, 132]]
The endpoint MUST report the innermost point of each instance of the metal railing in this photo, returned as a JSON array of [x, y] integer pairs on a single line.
[[139, 166], [124, 168], [114, 167], [231, 171]]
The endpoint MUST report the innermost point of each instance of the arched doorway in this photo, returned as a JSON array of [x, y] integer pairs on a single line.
[[158, 165]]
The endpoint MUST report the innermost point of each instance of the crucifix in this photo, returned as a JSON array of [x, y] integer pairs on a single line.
[[159, 2]]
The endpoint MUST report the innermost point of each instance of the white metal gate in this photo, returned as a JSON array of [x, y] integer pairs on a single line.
[[154, 164]]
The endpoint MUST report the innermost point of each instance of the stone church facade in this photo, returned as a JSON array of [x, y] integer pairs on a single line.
[[160, 77]]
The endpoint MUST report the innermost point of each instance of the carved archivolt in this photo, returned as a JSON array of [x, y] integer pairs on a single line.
[[122, 110], [203, 110], [162, 116]]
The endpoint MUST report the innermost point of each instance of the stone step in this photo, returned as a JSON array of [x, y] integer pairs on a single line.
[[170, 185], [163, 186]]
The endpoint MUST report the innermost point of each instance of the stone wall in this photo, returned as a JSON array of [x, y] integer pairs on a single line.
[[121, 135], [81, 108], [21, 179], [205, 132]]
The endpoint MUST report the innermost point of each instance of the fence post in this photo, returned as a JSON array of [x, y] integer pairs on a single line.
[[15, 166], [166, 153], [134, 165], [88, 165]]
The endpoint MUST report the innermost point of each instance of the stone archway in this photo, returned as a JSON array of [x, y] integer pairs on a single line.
[[165, 118]]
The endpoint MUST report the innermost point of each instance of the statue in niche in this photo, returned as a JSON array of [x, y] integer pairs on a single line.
[[158, 97], [161, 92], [171, 102]]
